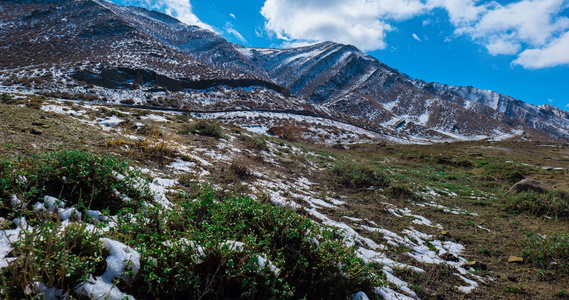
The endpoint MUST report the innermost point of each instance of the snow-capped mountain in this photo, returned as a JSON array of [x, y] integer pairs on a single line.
[[345, 79], [130, 53], [197, 43]]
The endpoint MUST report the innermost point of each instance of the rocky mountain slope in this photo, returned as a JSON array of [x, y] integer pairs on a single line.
[[348, 80], [101, 51]]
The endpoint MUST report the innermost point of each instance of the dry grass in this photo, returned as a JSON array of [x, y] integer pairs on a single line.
[[288, 131]]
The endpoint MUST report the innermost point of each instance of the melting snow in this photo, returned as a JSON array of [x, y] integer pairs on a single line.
[[121, 259]]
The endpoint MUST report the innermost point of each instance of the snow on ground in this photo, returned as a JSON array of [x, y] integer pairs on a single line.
[[295, 192], [122, 258], [155, 118], [260, 122]]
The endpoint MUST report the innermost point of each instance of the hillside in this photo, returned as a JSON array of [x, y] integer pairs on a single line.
[[412, 218], [144, 158]]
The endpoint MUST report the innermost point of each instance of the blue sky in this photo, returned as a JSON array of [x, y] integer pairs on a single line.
[[515, 47]]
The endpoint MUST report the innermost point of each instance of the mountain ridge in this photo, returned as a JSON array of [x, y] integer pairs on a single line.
[[99, 38]]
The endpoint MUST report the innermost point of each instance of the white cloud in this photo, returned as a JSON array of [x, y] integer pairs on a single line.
[[500, 45], [416, 37], [179, 9], [460, 11], [554, 54], [233, 16], [231, 31], [533, 27], [363, 23], [550, 100], [506, 29]]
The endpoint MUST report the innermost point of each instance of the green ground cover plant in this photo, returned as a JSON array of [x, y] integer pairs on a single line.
[[359, 175], [81, 178], [207, 245], [203, 127], [219, 246], [57, 256], [549, 251], [553, 204]]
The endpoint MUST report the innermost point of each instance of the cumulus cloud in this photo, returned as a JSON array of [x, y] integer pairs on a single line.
[[534, 30], [507, 29], [363, 23], [461, 12], [179, 9], [554, 54]]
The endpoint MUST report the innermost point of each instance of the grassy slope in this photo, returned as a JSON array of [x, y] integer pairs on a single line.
[[471, 176]]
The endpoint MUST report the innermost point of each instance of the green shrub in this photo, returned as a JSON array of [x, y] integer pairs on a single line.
[[79, 178], [203, 127], [508, 172], [552, 249], [56, 256], [5, 98], [35, 102], [188, 253], [254, 143], [554, 203], [182, 118], [359, 175]]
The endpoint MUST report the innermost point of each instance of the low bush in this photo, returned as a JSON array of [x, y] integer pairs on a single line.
[[550, 251], [507, 172], [357, 175], [35, 102], [236, 247], [254, 143], [182, 118], [5, 98], [402, 193], [57, 256], [203, 127], [79, 178], [152, 148], [241, 167], [553, 203]]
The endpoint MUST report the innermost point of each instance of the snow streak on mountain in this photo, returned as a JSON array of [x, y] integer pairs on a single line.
[[115, 52]]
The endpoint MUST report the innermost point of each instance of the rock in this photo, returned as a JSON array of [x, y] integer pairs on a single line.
[[516, 259], [11, 132], [527, 185], [448, 257], [36, 131], [512, 278], [477, 265], [45, 126]]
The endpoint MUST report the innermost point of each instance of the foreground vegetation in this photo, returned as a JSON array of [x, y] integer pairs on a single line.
[[207, 245], [225, 239]]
